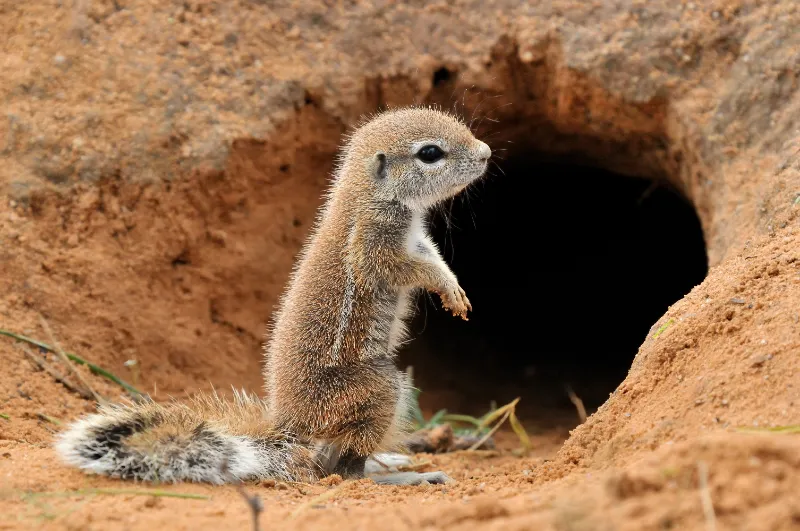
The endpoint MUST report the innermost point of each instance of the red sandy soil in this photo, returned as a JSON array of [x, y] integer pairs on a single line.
[[160, 164]]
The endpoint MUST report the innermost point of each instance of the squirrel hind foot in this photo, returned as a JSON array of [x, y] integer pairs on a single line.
[[412, 478], [385, 462]]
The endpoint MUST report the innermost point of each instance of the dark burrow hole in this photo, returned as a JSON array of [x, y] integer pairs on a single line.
[[441, 76], [567, 268]]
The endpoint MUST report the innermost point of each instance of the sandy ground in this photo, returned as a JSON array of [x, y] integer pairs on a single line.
[[160, 163]]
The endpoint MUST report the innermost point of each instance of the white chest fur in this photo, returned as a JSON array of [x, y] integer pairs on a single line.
[[417, 244]]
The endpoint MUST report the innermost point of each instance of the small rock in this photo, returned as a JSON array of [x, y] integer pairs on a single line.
[[220, 237], [153, 502]]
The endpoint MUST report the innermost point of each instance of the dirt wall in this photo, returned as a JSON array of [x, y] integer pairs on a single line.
[[161, 163]]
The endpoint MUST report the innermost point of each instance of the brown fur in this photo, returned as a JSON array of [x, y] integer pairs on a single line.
[[339, 383]]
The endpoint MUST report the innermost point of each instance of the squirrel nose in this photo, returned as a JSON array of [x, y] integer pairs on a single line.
[[484, 151]]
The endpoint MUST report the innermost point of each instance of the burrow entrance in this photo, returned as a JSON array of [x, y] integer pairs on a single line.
[[567, 267]]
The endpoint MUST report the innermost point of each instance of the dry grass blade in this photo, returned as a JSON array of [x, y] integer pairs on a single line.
[[491, 432], [57, 376], [464, 419], [519, 430], [705, 497], [662, 328], [77, 359], [413, 467], [66, 361], [318, 499], [578, 403], [507, 412], [791, 429], [384, 465], [48, 418], [490, 417], [124, 492]]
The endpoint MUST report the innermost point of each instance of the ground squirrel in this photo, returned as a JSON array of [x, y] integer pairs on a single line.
[[334, 395]]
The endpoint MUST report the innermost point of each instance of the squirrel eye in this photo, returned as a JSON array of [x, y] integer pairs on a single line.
[[430, 154]]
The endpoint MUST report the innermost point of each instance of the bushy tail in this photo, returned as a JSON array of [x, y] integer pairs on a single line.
[[209, 439]]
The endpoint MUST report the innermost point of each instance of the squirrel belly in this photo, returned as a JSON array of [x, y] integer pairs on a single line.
[[209, 439]]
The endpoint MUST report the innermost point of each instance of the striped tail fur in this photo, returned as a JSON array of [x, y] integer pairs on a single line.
[[209, 439]]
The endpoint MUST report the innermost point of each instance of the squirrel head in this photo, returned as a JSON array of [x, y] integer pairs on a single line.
[[417, 156]]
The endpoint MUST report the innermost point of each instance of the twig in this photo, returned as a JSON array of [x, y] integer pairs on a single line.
[[254, 502], [705, 497], [317, 499], [578, 403], [65, 359], [57, 376], [80, 361]]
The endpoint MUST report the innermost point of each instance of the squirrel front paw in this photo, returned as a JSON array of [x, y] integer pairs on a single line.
[[455, 299]]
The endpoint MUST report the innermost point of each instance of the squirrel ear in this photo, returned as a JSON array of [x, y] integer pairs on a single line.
[[378, 167]]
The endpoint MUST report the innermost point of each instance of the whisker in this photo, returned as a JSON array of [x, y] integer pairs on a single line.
[[498, 167], [493, 110], [475, 110]]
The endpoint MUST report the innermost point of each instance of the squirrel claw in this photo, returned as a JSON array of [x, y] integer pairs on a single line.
[[455, 301]]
